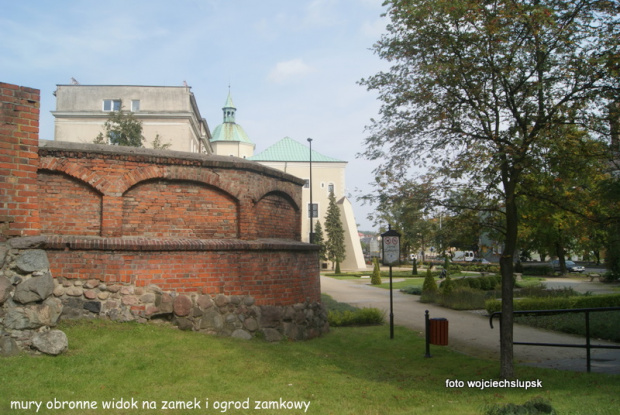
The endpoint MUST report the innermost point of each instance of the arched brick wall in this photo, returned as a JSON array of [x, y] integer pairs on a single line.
[[280, 217], [68, 206], [179, 209], [212, 242], [184, 222]]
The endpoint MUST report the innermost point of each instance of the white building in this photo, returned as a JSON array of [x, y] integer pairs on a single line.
[[169, 112]]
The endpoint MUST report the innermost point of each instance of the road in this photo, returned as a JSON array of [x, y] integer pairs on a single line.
[[470, 333]]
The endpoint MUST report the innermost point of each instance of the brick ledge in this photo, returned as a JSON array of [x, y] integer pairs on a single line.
[[172, 244]]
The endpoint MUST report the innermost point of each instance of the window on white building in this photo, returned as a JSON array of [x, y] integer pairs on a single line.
[[306, 183], [111, 105], [330, 188], [135, 105], [313, 210]]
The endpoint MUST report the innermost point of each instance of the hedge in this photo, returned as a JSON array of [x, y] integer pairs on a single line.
[[553, 303], [486, 283]]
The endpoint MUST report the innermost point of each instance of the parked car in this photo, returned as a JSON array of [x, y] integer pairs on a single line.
[[570, 266]]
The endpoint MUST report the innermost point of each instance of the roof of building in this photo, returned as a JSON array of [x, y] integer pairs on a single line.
[[288, 149], [229, 130]]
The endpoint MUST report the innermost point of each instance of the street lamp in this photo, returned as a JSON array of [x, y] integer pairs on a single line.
[[311, 209]]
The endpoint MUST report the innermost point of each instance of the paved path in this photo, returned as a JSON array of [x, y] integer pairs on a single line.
[[470, 333]]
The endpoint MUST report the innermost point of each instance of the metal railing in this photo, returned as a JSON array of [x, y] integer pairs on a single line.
[[588, 346]]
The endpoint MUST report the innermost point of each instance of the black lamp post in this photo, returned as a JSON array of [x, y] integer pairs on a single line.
[[311, 209]]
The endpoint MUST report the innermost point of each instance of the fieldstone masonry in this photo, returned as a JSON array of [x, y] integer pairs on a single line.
[[28, 308]]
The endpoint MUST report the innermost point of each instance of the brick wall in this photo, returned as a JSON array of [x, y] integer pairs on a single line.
[[272, 273], [19, 136], [188, 223]]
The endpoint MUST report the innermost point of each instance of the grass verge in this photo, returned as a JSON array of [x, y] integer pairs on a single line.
[[355, 370]]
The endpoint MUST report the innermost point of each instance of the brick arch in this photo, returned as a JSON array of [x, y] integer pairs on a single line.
[[173, 208], [278, 216], [68, 206], [81, 173], [135, 176]]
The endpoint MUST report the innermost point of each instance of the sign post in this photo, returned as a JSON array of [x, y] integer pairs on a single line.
[[391, 255]]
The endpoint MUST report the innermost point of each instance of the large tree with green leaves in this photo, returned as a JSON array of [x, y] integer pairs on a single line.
[[336, 250], [479, 90]]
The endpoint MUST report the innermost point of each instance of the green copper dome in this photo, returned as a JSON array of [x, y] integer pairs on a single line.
[[230, 130]]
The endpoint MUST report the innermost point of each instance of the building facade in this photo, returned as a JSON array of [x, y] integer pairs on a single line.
[[168, 113]]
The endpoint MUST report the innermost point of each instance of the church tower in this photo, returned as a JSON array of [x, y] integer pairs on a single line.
[[229, 138]]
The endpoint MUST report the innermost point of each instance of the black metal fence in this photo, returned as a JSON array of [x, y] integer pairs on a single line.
[[588, 346]]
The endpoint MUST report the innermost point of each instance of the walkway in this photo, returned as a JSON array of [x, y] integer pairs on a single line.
[[470, 333]]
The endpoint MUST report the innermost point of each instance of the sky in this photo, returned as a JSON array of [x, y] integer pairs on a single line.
[[292, 67]]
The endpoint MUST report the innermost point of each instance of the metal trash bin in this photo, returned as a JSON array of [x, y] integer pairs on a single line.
[[439, 331]]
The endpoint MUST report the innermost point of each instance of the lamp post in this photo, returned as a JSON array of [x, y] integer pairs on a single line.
[[311, 208]]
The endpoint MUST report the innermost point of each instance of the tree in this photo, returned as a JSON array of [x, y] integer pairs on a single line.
[[478, 91], [122, 129], [319, 240], [375, 279], [158, 145], [335, 233]]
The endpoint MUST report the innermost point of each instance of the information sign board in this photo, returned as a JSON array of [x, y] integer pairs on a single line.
[[391, 247]]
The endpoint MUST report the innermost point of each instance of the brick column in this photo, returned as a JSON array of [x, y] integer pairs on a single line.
[[112, 216], [19, 159]]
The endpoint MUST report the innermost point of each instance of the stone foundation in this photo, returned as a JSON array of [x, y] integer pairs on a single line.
[[222, 315]]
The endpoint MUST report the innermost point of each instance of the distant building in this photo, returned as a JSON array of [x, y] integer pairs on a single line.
[[290, 156], [169, 112]]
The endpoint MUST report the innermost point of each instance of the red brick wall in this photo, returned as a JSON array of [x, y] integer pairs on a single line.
[[19, 135], [169, 209], [68, 206], [279, 218], [272, 273]]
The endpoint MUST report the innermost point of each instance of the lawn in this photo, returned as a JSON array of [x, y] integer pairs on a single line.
[[356, 370]]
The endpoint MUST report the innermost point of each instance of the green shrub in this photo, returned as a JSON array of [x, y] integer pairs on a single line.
[[412, 290], [536, 406], [376, 273], [537, 270], [463, 298], [359, 317], [486, 283], [552, 303], [447, 286], [429, 285]]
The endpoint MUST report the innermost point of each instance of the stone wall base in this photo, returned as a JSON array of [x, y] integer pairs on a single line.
[[221, 315]]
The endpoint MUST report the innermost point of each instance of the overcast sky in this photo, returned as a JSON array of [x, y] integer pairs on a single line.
[[292, 66]]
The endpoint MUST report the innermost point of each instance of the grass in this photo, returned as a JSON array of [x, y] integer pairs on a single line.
[[349, 371]]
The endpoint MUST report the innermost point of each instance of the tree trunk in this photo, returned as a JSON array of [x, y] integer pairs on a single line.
[[506, 263]]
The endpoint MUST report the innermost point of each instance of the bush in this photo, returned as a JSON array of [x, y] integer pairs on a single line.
[[486, 283], [447, 286], [429, 282], [463, 298], [376, 273], [552, 303], [359, 317], [411, 290], [534, 270], [536, 406]]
